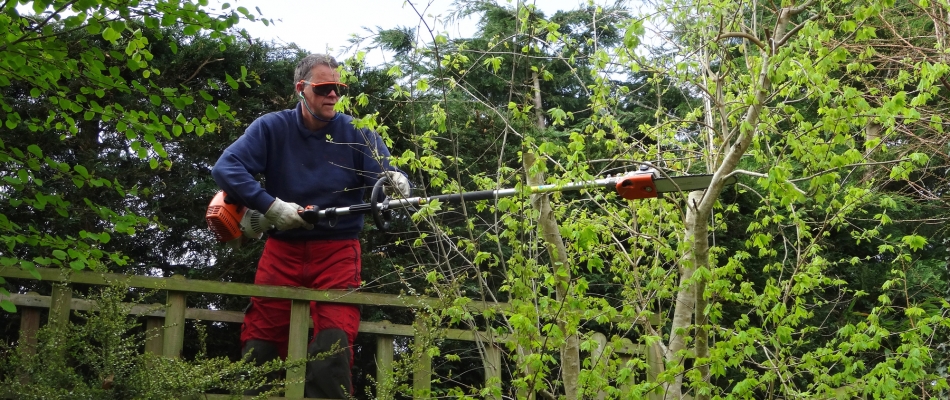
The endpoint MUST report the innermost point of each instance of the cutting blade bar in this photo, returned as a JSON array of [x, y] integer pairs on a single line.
[[686, 183]]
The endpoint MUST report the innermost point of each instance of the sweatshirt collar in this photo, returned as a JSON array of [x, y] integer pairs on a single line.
[[321, 133]]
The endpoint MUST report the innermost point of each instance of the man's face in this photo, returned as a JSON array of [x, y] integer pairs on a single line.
[[321, 105]]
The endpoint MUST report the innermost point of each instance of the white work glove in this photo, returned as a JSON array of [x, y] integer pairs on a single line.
[[400, 182], [284, 215]]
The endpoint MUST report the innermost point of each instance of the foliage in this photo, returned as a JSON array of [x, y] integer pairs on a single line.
[[81, 89], [786, 289], [821, 274], [98, 356]]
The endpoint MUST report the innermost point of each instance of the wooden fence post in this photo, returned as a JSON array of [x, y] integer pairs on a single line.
[[625, 358], [492, 364], [60, 302], [655, 366], [384, 367], [174, 335], [600, 356], [422, 367], [154, 334], [29, 325], [297, 347]]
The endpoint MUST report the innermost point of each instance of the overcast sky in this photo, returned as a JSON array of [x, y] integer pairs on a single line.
[[326, 26]]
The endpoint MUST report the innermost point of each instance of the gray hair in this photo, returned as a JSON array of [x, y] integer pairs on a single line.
[[305, 66]]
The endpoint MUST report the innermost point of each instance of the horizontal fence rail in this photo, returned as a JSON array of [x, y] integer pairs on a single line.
[[168, 321]]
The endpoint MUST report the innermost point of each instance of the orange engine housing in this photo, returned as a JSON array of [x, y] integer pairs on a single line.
[[224, 219]]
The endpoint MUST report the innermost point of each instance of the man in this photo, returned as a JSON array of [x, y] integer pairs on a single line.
[[308, 155]]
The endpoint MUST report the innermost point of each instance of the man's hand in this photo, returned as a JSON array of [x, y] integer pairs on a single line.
[[284, 216], [400, 182]]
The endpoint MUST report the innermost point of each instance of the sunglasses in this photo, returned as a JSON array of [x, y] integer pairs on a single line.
[[324, 88]]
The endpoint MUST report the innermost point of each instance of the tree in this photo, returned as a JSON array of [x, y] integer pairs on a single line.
[[768, 93], [780, 87], [819, 275], [68, 82]]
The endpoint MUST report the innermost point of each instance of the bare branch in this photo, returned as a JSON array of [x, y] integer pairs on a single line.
[[743, 35], [848, 166], [794, 31], [798, 10], [744, 172], [207, 61]]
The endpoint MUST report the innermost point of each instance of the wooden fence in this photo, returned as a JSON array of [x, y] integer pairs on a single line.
[[169, 321]]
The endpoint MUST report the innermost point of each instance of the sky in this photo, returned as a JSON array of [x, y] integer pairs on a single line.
[[321, 26]]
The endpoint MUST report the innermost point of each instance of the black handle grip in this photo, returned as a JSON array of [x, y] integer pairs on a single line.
[[377, 200], [311, 214], [378, 206]]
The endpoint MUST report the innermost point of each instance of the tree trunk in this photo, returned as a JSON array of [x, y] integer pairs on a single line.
[[685, 306], [570, 353], [691, 303]]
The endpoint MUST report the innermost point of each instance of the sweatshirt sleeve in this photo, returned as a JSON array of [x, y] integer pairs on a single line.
[[235, 170]]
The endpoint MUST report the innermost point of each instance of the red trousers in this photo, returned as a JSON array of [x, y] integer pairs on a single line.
[[316, 264]]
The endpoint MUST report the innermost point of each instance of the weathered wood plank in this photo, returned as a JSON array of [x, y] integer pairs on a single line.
[[374, 327], [422, 367], [385, 350], [600, 355], [174, 333], [29, 325], [232, 397], [155, 335], [492, 365], [656, 365], [241, 289], [145, 310], [248, 290], [60, 300], [297, 347]]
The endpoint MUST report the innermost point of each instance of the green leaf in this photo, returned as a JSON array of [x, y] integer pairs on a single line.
[[35, 150], [422, 85], [77, 265], [585, 238], [8, 306], [595, 263], [110, 34], [631, 38], [211, 112], [915, 242], [231, 82]]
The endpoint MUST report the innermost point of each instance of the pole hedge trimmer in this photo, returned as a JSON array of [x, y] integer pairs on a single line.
[[229, 221]]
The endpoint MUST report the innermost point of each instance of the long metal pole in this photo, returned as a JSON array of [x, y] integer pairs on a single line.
[[457, 198]]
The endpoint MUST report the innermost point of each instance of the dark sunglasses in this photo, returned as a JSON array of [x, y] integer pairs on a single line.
[[324, 88]]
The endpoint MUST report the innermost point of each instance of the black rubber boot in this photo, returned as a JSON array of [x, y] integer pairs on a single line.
[[261, 351], [329, 377]]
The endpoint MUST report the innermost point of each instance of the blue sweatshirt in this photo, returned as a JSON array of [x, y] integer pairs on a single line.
[[331, 167]]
